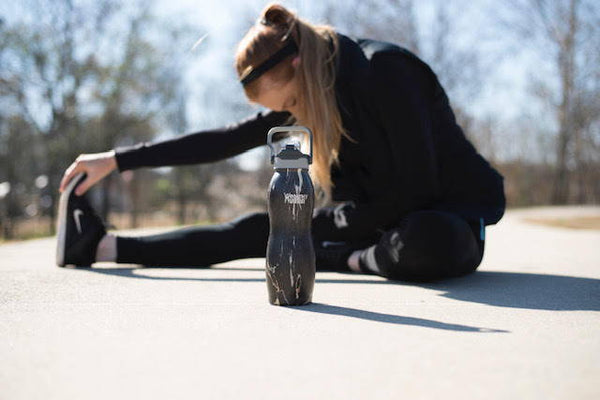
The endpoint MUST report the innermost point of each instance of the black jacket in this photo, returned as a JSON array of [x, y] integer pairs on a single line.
[[409, 153]]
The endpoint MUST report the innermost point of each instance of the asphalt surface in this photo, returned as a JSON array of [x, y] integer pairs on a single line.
[[526, 325]]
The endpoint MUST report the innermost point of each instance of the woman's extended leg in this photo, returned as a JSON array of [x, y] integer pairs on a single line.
[[427, 245], [82, 239], [198, 246]]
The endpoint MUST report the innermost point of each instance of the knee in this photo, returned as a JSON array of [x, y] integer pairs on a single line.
[[429, 246], [406, 258]]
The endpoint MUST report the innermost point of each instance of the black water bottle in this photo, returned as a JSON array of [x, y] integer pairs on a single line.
[[290, 253]]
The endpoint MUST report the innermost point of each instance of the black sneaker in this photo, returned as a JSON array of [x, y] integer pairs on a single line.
[[332, 256], [79, 228]]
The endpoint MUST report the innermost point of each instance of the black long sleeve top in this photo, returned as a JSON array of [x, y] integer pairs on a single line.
[[408, 152]]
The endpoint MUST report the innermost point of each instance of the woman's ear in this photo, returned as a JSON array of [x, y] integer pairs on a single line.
[[296, 61]]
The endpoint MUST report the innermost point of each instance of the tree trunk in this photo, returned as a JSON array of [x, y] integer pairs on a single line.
[[182, 197], [561, 181], [5, 220], [53, 207], [566, 64], [134, 196], [105, 199]]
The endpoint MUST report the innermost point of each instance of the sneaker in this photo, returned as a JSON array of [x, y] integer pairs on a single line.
[[79, 228], [332, 256]]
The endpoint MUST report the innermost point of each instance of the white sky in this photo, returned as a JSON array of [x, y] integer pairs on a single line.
[[219, 19], [503, 95]]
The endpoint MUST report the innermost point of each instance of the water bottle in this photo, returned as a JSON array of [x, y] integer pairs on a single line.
[[290, 264]]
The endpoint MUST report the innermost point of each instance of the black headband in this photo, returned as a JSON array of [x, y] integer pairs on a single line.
[[255, 73]]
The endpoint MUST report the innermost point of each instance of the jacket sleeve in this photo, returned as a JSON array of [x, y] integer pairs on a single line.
[[401, 109], [201, 147]]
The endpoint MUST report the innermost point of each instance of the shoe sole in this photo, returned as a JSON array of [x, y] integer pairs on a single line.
[[61, 228]]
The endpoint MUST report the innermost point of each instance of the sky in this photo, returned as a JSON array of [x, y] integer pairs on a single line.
[[502, 96], [503, 85]]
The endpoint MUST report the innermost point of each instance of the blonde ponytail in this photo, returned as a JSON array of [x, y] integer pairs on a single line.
[[315, 76]]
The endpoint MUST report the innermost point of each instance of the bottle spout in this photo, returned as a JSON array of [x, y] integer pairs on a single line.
[[291, 150]]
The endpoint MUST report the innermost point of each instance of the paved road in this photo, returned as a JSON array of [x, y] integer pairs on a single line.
[[526, 326]]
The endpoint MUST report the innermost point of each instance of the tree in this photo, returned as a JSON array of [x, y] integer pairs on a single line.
[[83, 78], [389, 20], [565, 36], [49, 67]]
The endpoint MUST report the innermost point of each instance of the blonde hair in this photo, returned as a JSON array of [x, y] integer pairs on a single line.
[[318, 46]]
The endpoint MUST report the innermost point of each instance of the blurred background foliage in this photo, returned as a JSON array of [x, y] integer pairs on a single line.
[[88, 76]]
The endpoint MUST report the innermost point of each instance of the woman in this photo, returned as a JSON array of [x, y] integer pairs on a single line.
[[408, 196]]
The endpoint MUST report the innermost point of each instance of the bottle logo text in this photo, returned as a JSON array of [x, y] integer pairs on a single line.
[[292, 198]]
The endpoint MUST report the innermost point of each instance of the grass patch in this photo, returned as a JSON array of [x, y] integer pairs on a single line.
[[592, 222]]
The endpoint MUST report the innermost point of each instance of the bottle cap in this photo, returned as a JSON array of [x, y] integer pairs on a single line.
[[290, 157]]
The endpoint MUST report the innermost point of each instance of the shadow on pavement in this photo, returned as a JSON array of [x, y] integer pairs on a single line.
[[392, 319], [523, 290], [500, 289], [132, 273]]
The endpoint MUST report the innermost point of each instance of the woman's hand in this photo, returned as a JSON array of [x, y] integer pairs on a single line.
[[96, 166]]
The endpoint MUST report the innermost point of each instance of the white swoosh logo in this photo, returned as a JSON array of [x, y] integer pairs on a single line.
[[76, 214], [326, 243]]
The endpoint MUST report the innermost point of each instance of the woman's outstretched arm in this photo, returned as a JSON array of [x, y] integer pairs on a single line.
[[201, 147]]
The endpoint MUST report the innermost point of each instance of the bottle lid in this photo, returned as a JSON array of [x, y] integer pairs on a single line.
[[291, 157]]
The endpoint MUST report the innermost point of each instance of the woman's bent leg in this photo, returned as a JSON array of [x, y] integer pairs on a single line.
[[199, 246], [427, 245]]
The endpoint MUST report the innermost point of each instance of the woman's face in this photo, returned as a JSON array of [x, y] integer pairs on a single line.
[[278, 96]]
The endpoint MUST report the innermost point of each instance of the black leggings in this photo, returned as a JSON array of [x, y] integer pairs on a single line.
[[426, 245]]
